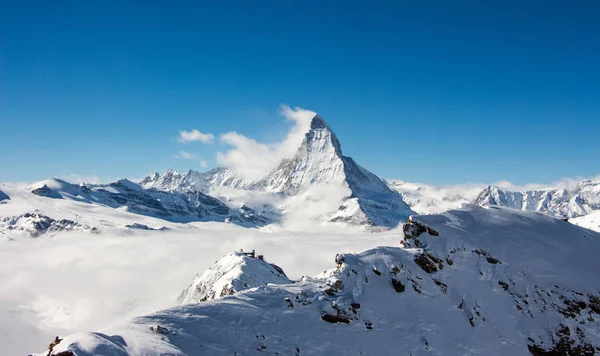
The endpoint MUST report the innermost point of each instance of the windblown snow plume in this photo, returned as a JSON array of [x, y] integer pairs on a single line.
[[252, 159]]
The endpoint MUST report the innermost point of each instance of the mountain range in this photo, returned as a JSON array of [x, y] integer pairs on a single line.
[[316, 185]]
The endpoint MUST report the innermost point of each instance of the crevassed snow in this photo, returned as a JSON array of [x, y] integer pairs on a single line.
[[495, 281]]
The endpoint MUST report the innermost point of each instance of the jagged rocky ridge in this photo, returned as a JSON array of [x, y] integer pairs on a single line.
[[173, 206], [319, 161], [560, 203], [493, 281]]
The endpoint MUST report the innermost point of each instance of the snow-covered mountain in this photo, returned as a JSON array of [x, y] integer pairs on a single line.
[[432, 199], [491, 281], [562, 203], [23, 213], [317, 172], [233, 273]]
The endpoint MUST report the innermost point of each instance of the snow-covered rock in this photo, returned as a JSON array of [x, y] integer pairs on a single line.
[[318, 171], [233, 273], [562, 203], [35, 224], [494, 281]]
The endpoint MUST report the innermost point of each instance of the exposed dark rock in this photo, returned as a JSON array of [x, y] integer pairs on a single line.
[[492, 260], [427, 262], [334, 318], [503, 284], [47, 192], [398, 286], [594, 303], [412, 229], [159, 329], [64, 353], [443, 286]]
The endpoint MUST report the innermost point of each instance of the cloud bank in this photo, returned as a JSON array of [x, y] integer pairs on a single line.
[[253, 159], [195, 135]]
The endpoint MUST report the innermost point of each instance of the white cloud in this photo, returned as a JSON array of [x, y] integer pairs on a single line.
[[195, 135], [78, 178], [186, 155], [564, 183], [203, 163], [252, 159]]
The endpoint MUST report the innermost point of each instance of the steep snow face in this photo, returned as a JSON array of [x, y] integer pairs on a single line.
[[353, 194], [494, 281], [584, 199], [233, 273], [431, 199]]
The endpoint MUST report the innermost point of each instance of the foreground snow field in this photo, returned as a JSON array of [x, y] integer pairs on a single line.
[[482, 281], [77, 281]]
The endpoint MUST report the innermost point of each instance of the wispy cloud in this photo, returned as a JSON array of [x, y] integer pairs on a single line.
[[195, 135], [252, 159], [78, 178], [186, 155], [565, 183], [192, 156]]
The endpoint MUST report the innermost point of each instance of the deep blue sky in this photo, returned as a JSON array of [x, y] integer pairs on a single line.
[[433, 91]]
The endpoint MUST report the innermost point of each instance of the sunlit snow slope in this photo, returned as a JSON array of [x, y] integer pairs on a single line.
[[494, 281]]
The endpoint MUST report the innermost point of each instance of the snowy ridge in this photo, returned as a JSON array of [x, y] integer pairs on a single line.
[[561, 203], [494, 281], [317, 172], [173, 206], [590, 221], [233, 273], [35, 224]]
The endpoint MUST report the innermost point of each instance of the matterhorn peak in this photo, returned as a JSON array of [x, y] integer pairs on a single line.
[[317, 122], [321, 138]]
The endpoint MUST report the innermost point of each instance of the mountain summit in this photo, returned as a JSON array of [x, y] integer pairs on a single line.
[[318, 173]]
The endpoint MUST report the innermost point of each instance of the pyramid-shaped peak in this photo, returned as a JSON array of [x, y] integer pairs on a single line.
[[318, 123]]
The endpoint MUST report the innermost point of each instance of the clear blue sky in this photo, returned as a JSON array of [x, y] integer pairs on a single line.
[[433, 91]]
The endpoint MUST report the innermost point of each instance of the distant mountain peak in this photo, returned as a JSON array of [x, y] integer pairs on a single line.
[[319, 123], [364, 198]]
